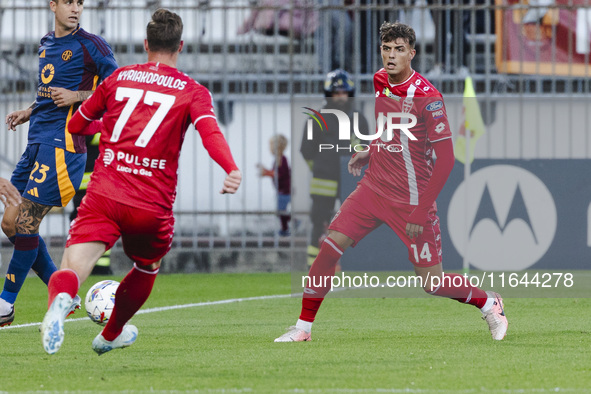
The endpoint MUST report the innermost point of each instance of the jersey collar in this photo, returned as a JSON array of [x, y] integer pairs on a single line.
[[76, 30], [401, 83]]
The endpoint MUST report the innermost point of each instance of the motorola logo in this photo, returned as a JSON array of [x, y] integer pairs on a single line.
[[504, 218]]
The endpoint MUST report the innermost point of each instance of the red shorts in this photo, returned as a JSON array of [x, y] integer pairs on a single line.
[[365, 210], [146, 235]]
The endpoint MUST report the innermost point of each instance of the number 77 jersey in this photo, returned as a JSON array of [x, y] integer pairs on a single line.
[[146, 110]]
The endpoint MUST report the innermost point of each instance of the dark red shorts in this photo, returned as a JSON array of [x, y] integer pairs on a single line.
[[365, 210], [146, 235]]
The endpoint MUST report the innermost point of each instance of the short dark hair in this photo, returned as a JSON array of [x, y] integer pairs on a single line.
[[164, 31], [392, 31]]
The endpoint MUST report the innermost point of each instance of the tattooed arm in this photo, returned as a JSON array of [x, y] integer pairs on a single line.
[[64, 97]]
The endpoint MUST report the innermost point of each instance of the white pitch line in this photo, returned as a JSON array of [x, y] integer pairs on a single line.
[[206, 303], [168, 308]]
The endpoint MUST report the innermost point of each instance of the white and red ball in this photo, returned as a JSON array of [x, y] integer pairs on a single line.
[[100, 301]]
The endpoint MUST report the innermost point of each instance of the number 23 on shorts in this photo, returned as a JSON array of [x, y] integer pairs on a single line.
[[41, 173]]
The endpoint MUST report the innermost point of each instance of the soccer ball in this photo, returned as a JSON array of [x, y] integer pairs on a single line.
[[100, 301]]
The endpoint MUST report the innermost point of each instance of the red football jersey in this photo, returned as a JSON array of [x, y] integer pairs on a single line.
[[400, 168], [147, 109]]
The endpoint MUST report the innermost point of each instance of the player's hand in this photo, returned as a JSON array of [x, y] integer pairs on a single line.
[[357, 162], [8, 194], [16, 118], [232, 182], [413, 230], [64, 97]]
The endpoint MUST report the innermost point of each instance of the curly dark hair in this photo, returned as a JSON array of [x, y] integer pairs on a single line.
[[391, 31], [164, 31]]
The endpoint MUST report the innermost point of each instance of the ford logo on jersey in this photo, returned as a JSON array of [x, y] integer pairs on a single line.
[[434, 106]]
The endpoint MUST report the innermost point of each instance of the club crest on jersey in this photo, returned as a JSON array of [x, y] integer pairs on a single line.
[[66, 55], [434, 106], [407, 105], [391, 95]]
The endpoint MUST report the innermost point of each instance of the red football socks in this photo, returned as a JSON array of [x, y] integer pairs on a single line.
[[458, 287], [63, 281], [320, 281], [131, 294]]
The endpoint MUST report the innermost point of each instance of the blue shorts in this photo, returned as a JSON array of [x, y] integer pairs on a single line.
[[48, 175]]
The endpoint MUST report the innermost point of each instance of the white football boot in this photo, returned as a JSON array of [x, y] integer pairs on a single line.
[[52, 328], [495, 317], [127, 337], [76, 303], [295, 334], [7, 319]]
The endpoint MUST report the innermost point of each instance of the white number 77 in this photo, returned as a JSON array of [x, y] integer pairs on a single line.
[[166, 102]]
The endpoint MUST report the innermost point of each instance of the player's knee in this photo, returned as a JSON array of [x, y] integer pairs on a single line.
[[151, 267], [428, 282], [341, 239], [428, 288], [8, 227]]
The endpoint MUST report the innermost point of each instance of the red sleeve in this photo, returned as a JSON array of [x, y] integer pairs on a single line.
[[443, 166], [78, 124], [204, 120], [83, 126], [215, 143], [90, 110], [95, 127]]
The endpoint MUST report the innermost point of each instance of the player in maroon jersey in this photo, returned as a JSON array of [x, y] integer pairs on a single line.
[[399, 188], [146, 110]]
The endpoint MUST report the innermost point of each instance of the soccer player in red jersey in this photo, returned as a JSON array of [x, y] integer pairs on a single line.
[[399, 188], [146, 110]]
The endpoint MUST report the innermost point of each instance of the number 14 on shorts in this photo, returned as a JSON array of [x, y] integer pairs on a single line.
[[425, 252]]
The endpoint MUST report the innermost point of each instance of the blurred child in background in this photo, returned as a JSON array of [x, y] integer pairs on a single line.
[[281, 175]]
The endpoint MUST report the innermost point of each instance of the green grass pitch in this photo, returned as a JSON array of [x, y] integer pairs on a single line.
[[359, 345]]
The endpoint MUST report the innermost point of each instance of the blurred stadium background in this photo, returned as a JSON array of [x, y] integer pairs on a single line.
[[530, 67]]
